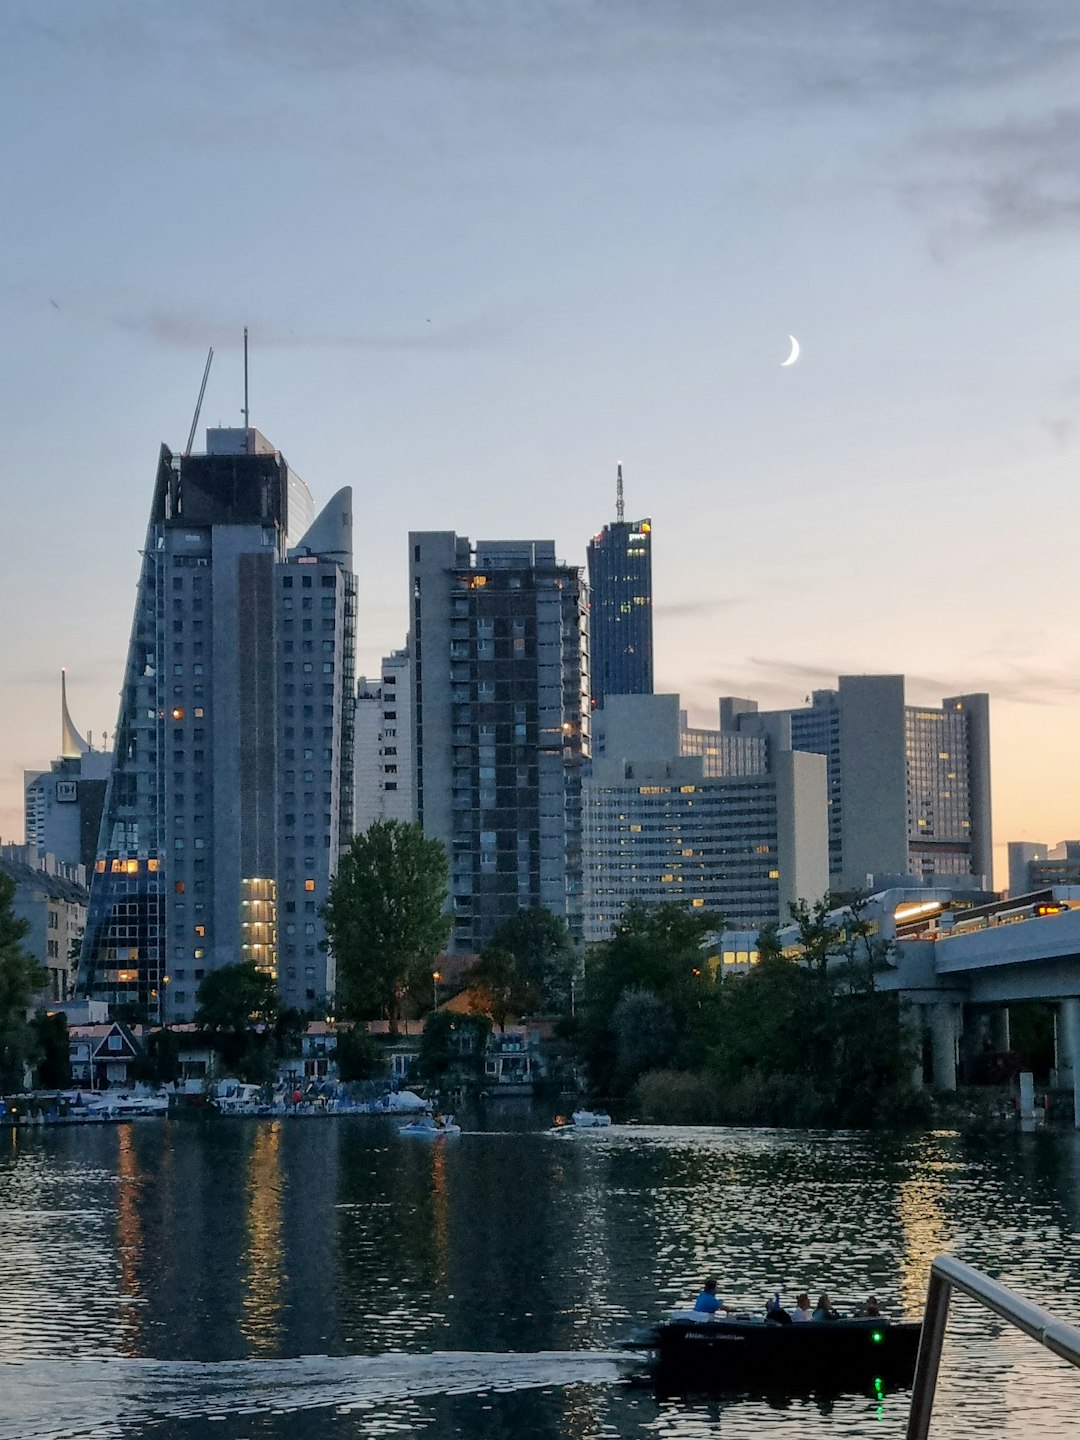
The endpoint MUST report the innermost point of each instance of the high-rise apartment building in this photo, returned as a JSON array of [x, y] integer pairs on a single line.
[[63, 804], [908, 785], [657, 828], [500, 724], [231, 789], [620, 608], [384, 772]]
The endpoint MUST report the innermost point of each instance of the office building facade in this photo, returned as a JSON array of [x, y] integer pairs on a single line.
[[657, 828], [1034, 866], [231, 788], [620, 610], [384, 772], [50, 895], [500, 724], [908, 785]]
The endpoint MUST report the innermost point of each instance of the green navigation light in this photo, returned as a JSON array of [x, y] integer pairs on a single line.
[[877, 1336]]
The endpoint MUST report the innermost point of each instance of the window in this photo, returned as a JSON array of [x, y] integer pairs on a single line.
[[309, 884]]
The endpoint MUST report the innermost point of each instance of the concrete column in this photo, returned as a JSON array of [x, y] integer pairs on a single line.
[[911, 1029], [1067, 1050], [999, 1029], [944, 1034]]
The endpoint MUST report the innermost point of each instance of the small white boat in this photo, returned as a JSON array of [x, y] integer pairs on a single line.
[[430, 1127], [396, 1102], [591, 1119]]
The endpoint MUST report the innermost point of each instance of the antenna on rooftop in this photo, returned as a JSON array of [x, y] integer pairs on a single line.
[[246, 412], [198, 403], [620, 509]]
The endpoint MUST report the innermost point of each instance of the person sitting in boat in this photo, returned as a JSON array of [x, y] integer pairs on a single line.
[[824, 1310], [708, 1302], [775, 1312], [869, 1308], [802, 1311]]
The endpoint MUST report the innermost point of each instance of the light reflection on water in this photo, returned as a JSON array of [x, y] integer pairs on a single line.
[[506, 1265]]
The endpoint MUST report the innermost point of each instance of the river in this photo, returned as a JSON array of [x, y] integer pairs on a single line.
[[304, 1278]]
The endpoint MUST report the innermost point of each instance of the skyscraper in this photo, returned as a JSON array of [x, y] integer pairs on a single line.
[[620, 608], [231, 787], [500, 724], [908, 785]]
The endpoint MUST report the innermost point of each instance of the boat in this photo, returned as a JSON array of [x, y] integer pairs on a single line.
[[743, 1352], [591, 1119], [395, 1102], [427, 1127]]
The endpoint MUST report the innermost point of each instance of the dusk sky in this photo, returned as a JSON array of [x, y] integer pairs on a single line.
[[486, 250]]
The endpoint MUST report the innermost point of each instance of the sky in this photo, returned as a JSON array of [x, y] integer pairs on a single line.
[[488, 250]]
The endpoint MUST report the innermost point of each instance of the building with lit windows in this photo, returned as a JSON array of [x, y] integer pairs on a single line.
[[908, 785], [231, 787], [1034, 866], [656, 828], [500, 724], [63, 804], [384, 778], [620, 610], [50, 896]]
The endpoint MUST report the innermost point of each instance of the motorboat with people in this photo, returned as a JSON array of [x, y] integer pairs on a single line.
[[431, 1127], [735, 1351]]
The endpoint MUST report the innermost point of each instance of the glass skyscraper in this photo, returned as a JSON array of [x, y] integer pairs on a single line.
[[230, 792], [620, 610]]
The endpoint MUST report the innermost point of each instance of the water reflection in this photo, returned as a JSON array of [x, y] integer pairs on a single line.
[[339, 1241], [129, 1238], [260, 1323]]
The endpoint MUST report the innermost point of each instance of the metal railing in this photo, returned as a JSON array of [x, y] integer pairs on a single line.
[[947, 1275]]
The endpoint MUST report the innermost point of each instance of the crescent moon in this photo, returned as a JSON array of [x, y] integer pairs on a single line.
[[794, 352]]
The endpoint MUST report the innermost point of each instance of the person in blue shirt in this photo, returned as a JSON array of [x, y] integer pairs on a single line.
[[708, 1302]]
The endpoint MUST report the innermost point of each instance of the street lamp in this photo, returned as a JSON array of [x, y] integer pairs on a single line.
[[436, 976]]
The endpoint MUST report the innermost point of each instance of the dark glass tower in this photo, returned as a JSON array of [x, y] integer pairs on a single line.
[[620, 610]]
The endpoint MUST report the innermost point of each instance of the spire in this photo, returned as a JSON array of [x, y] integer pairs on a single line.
[[72, 744], [620, 513]]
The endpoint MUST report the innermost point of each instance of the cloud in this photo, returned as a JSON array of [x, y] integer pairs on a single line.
[[786, 682], [1020, 177], [696, 609], [188, 329]]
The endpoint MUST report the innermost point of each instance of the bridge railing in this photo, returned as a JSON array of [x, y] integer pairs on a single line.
[[948, 1274]]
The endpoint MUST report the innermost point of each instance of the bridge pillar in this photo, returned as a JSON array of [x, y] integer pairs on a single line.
[[1067, 1049], [911, 1029], [999, 1029], [944, 1033]]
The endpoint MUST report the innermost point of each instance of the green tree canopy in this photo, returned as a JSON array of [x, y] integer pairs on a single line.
[[54, 1050], [657, 951], [21, 977], [544, 958], [240, 1009], [385, 920]]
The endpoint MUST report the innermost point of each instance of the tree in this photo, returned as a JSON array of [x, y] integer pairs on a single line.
[[543, 955], [644, 1034], [159, 1063], [54, 1050], [384, 918], [658, 950], [501, 990], [21, 977], [357, 1056], [239, 1008]]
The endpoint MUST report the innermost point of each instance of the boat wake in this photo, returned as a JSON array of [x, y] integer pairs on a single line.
[[63, 1399]]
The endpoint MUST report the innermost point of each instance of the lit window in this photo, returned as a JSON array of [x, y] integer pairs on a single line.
[[200, 929], [697, 903], [309, 884], [178, 713]]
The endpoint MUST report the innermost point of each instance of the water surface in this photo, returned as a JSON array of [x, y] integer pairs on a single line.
[[324, 1277]]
